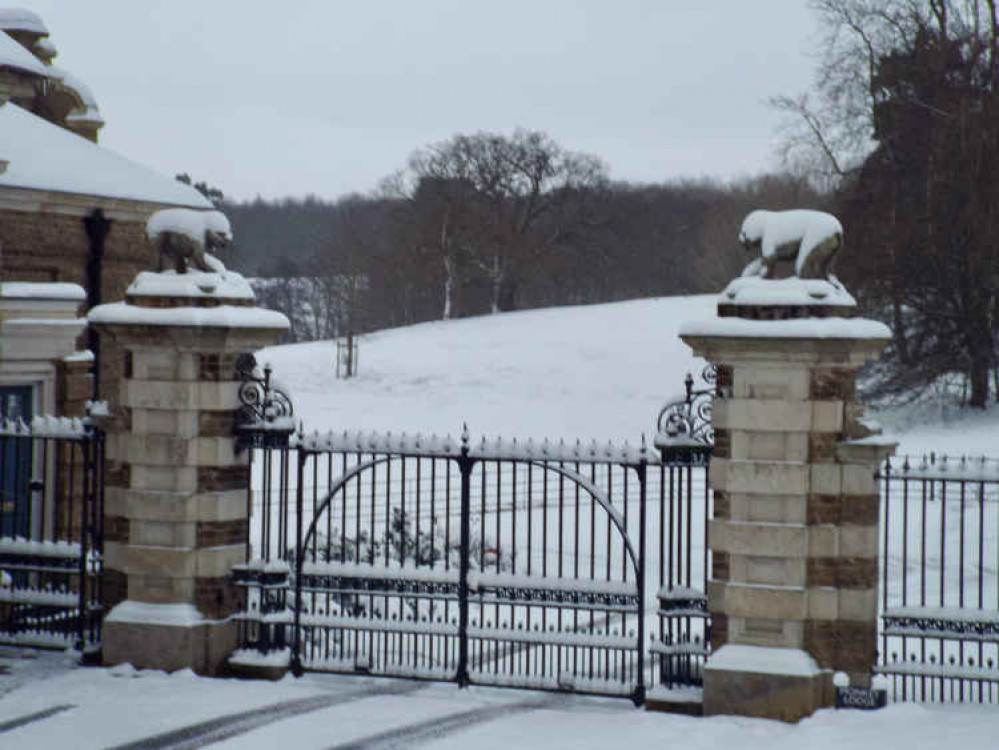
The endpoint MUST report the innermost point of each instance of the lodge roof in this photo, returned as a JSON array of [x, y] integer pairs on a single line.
[[43, 156], [13, 55]]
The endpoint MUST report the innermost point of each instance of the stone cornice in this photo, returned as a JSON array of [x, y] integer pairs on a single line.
[[75, 204]]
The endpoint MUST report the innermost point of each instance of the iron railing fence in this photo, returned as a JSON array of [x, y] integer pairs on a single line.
[[579, 561], [939, 583], [533, 563], [51, 531]]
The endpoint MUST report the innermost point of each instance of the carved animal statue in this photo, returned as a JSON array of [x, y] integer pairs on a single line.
[[182, 236], [810, 239]]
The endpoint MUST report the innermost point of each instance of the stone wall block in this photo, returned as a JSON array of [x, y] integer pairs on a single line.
[[765, 602], [162, 533], [158, 561], [165, 422], [221, 396], [157, 589], [164, 478], [859, 479], [764, 415], [767, 382], [825, 479], [858, 541], [157, 394], [766, 478], [859, 604], [756, 445], [827, 416], [217, 562], [832, 383], [222, 506], [784, 540]]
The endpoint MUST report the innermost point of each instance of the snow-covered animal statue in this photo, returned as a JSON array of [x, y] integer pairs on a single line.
[[184, 236], [810, 238]]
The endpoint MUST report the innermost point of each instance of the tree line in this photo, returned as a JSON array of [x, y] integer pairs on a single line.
[[490, 222], [905, 129]]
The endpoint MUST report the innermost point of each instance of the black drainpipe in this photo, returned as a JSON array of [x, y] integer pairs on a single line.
[[97, 227]]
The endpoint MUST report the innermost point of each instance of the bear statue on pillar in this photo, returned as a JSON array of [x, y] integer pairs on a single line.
[[793, 592], [175, 495]]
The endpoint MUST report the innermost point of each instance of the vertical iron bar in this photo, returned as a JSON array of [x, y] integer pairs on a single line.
[[943, 552], [465, 467], [296, 651], [83, 446], [642, 476]]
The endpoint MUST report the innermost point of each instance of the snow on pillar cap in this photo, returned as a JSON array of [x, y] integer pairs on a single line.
[[756, 298], [194, 288]]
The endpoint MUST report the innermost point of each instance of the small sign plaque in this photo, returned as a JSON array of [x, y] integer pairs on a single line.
[[867, 699]]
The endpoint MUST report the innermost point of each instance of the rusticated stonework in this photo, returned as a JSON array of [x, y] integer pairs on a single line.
[[793, 534]]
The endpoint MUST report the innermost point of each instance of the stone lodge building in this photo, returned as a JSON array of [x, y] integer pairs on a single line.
[[71, 213]]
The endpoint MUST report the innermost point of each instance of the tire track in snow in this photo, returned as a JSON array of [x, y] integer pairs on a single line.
[[418, 733], [232, 725], [20, 721]]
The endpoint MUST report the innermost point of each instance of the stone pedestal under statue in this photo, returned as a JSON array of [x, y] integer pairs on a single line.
[[794, 537], [176, 492]]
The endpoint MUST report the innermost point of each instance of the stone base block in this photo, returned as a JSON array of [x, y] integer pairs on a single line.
[[258, 671], [768, 683], [690, 703], [201, 645]]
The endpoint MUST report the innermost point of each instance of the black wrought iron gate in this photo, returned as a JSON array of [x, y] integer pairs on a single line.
[[491, 562]]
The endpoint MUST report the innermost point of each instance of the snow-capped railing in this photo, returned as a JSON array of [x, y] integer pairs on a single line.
[[546, 450], [484, 448], [942, 467], [958, 623], [356, 441], [45, 426]]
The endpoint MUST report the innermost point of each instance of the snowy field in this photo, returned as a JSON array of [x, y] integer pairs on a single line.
[[590, 372], [600, 371], [84, 708]]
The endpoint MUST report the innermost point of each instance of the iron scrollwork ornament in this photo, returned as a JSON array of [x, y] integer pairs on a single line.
[[265, 415], [685, 430]]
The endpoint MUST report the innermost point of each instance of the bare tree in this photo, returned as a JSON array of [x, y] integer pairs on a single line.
[[907, 126], [482, 199]]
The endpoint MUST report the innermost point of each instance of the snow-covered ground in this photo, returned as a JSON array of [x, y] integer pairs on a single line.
[[591, 372], [100, 708], [579, 372], [600, 371]]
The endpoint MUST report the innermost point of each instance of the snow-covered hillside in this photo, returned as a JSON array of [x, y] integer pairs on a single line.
[[600, 371]]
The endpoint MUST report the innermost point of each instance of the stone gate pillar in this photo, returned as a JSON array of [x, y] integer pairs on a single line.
[[175, 504], [794, 538]]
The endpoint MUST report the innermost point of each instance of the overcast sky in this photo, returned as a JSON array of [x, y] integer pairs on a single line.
[[328, 96]]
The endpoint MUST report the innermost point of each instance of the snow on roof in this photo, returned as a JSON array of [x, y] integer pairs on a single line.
[[89, 112], [44, 156], [70, 81], [13, 55], [19, 19], [45, 48]]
